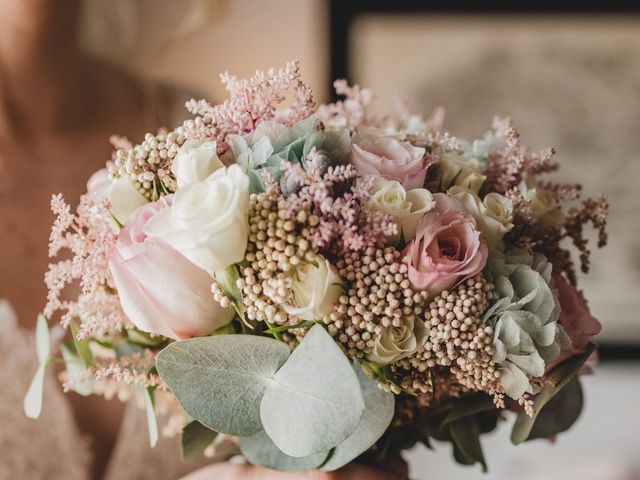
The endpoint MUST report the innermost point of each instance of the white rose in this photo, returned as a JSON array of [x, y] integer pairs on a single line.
[[493, 214], [546, 211], [396, 343], [458, 171], [316, 289], [120, 192], [388, 196], [421, 201], [207, 221], [407, 208], [195, 161]]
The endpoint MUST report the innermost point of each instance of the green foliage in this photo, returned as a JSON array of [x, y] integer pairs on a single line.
[[82, 346], [556, 380], [290, 409], [320, 393], [74, 366], [259, 449], [194, 440], [560, 413], [379, 409], [220, 380], [465, 434]]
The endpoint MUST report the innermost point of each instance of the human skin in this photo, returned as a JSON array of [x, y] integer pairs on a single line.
[[58, 109], [396, 469]]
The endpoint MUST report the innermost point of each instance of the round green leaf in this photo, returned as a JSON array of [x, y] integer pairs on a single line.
[[220, 380], [379, 407], [315, 401], [259, 449]]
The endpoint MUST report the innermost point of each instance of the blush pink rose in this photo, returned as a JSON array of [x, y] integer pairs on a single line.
[[575, 317], [160, 290], [389, 158], [447, 248]]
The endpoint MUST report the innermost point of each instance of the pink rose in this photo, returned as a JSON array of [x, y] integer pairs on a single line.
[[447, 248], [160, 290], [575, 317], [389, 158]]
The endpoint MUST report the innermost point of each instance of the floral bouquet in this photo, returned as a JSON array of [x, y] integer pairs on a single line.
[[319, 285]]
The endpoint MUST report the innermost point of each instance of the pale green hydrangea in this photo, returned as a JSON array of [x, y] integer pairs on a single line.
[[273, 142], [524, 318]]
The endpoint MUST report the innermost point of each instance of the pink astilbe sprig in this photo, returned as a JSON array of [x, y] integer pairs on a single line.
[[350, 112], [251, 101], [509, 164], [339, 198], [89, 237]]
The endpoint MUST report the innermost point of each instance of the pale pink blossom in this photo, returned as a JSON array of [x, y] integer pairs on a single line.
[[389, 158], [447, 249], [160, 290]]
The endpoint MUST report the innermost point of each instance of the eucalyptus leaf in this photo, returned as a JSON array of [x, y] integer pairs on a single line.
[[379, 409], [194, 440], [82, 346], [560, 413], [320, 393], [221, 380], [555, 380], [32, 403], [259, 449], [75, 366], [466, 437]]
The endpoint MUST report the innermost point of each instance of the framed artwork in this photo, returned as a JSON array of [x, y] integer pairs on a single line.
[[569, 77]]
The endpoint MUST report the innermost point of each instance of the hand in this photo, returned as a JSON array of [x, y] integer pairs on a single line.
[[393, 470]]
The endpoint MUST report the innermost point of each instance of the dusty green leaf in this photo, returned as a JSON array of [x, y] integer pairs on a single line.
[[469, 405], [466, 437], [75, 366], [320, 393], [194, 440], [560, 413], [379, 407], [259, 449], [220, 380], [556, 379], [82, 346]]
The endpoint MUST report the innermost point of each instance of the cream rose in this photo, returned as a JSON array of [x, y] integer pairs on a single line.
[[390, 197], [407, 208], [546, 211], [458, 171], [398, 342], [195, 161], [316, 289], [493, 214], [120, 192], [421, 201], [207, 221]]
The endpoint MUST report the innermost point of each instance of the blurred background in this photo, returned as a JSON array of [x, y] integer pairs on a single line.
[[568, 75]]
